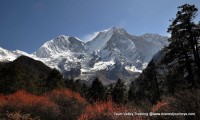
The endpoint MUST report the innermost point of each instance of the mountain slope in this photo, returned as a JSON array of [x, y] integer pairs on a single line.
[[23, 72], [60, 45], [112, 54]]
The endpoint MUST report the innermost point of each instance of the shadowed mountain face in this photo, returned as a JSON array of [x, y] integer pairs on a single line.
[[23, 72], [112, 54]]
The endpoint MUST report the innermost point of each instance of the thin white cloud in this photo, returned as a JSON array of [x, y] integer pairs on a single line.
[[122, 23], [89, 37]]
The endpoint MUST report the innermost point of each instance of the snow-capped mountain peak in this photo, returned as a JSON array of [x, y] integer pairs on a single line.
[[60, 45], [103, 37], [112, 54], [99, 41], [7, 55]]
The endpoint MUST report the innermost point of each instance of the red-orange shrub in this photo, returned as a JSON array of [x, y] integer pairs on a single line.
[[27, 103], [2, 100], [159, 105], [67, 94], [107, 110], [58, 104], [70, 103]]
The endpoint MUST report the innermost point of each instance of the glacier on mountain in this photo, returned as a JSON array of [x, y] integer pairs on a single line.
[[111, 54]]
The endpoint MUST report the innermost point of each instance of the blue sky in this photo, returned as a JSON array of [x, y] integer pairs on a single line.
[[27, 24]]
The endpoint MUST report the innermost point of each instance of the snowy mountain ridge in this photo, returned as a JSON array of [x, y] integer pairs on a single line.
[[111, 54]]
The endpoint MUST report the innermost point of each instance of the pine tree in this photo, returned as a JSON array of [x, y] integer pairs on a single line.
[[96, 91], [109, 92], [184, 46], [132, 92], [84, 90], [69, 83], [155, 81], [77, 86], [54, 80], [118, 92], [148, 86]]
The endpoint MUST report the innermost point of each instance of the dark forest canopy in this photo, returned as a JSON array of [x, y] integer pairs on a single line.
[[179, 69]]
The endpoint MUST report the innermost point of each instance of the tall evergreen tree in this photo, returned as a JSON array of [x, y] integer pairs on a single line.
[[155, 80], [54, 80], [184, 46], [109, 92], [132, 92], [96, 91], [148, 86], [84, 90], [118, 92]]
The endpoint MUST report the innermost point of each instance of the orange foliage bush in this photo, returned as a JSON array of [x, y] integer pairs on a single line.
[[67, 94], [70, 103], [57, 104], [107, 110], [2, 100], [64, 104], [28, 103], [159, 105]]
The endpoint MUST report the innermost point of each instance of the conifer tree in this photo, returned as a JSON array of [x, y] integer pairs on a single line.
[[148, 86], [54, 80], [118, 92], [96, 91], [184, 46], [132, 92], [84, 90]]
